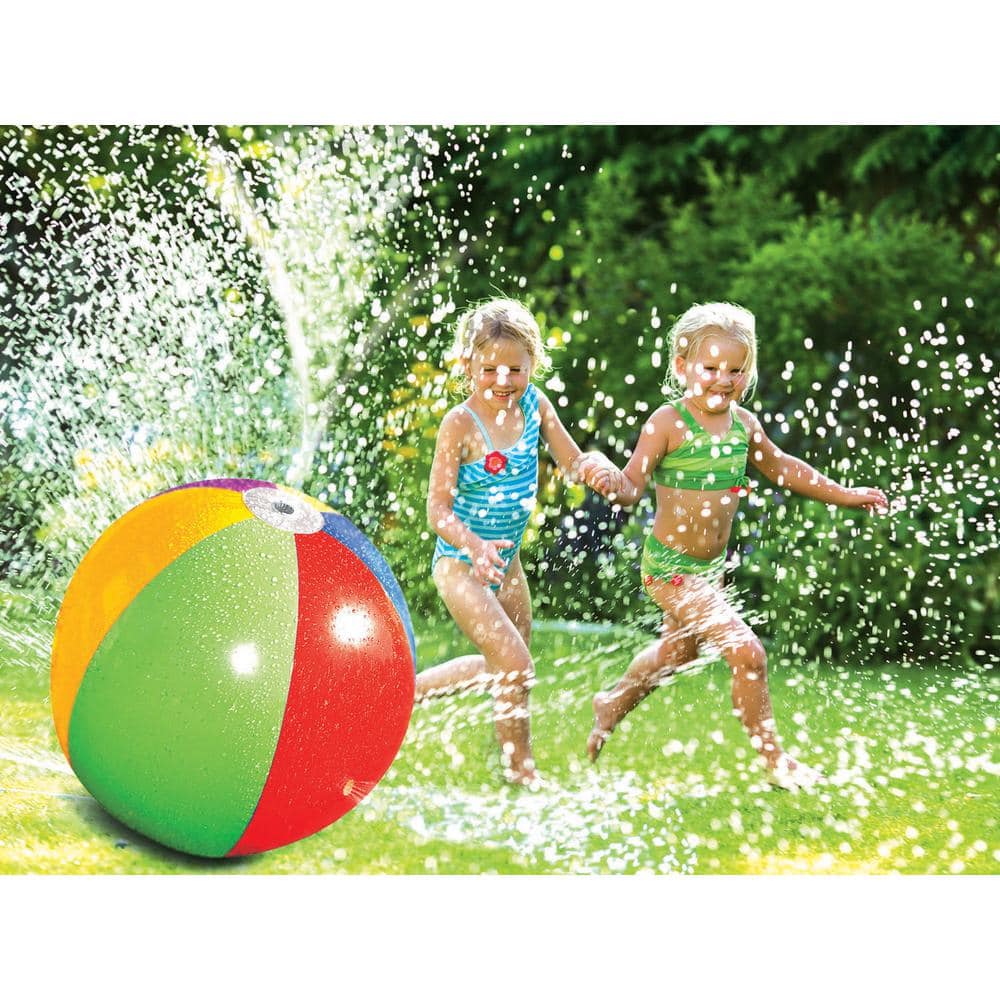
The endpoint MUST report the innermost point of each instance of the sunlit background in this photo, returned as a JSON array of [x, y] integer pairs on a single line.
[[178, 304]]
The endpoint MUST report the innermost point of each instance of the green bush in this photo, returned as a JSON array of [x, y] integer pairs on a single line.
[[830, 235]]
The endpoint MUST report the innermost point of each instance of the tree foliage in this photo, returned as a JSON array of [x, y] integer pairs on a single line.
[[859, 249]]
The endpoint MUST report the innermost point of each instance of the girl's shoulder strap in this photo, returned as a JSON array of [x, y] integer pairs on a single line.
[[482, 427], [678, 405], [530, 400], [739, 425]]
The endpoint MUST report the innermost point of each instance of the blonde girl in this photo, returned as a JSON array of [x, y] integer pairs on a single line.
[[483, 484], [696, 449]]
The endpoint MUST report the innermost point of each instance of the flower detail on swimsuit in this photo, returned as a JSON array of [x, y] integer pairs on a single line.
[[677, 580], [495, 462]]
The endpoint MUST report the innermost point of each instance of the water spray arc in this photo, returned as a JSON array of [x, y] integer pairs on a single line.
[[255, 228]]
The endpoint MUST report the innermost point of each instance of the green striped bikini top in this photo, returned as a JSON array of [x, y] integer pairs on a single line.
[[705, 461]]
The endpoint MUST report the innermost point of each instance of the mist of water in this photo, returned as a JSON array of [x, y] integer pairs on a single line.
[[255, 305]]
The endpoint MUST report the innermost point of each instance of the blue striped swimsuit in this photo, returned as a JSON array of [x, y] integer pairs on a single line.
[[498, 504]]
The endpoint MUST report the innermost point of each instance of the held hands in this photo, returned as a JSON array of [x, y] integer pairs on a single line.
[[868, 498], [487, 563], [599, 473]]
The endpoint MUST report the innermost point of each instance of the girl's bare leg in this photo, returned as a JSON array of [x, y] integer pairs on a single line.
[[702, 614], [705, 612], [650, 668], [469, 673], [504, 666]]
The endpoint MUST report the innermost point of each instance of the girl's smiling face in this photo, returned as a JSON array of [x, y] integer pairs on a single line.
[[715, 375], [500, 371]]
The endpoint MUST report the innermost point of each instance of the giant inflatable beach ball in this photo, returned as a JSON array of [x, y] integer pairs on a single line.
[[232, 667]]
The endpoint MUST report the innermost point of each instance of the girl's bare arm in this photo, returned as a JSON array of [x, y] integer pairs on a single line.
[[800, 477], [596, 470], [655, 440]]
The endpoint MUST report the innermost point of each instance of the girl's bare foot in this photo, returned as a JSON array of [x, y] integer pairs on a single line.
[[603, 725], [790, 774], [525, 777]]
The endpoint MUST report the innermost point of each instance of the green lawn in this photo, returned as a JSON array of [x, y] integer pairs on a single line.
[[909, 752]]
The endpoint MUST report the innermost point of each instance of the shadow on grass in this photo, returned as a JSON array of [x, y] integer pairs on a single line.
[[94, 815]]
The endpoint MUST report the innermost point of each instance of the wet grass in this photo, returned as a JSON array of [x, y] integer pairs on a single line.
[[910, 755]]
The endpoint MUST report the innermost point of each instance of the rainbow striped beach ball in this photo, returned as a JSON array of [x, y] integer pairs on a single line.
[[232, 667]]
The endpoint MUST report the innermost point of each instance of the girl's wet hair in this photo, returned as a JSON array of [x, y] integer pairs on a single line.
[[495, 319], [701, 321]]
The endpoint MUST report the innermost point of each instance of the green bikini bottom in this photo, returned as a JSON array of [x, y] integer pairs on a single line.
[[660, 562]]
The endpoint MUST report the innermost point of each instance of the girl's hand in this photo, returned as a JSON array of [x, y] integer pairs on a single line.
[[610, 483], [868, 498], [599, 473], [487, 563]]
